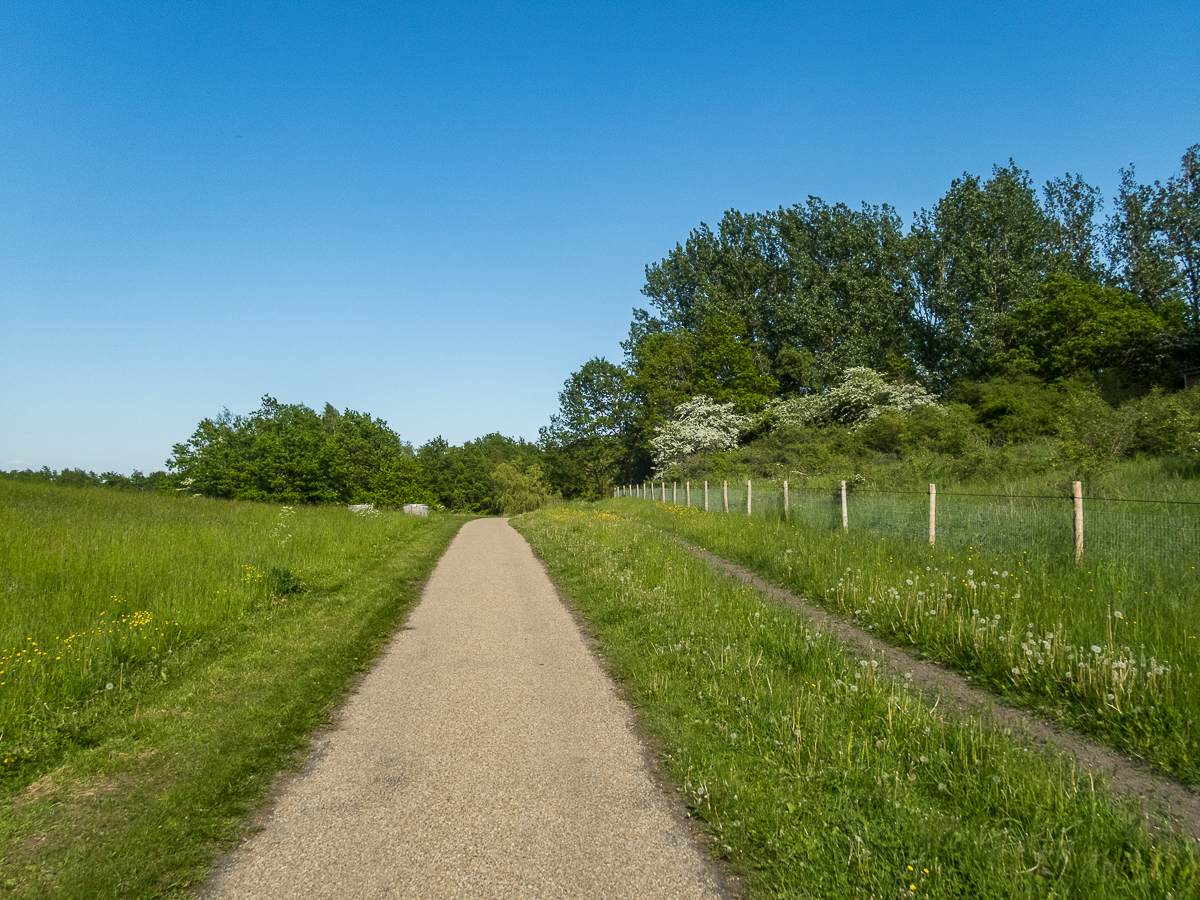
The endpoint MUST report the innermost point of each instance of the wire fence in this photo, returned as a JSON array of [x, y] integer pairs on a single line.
[[1145, 532]]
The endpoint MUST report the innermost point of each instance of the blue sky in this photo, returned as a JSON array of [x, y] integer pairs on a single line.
[[436, 212]]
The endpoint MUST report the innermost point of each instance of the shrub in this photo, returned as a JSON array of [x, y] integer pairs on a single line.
[[861, 397], [697, 425], [1012, 409]]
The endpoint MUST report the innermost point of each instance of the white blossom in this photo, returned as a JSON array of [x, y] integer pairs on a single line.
[[861, 397], [699, 424]]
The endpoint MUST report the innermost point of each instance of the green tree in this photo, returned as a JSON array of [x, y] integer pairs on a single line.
[[1072, 206], [286, 453], [1138, 244], [589, 440], [1077, 328], [1180, 205], [849, 301], [460, 477], [814, 289], [985, 248], [520, 491]]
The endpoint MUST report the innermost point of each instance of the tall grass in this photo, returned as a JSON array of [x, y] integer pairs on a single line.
[[100, 586], [164, 659], [1097, 645], [817, 775]]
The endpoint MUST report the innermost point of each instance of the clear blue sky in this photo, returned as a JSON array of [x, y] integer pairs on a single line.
[[435, 212]]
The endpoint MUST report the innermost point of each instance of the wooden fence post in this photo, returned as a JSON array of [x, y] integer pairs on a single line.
[[726, 496], [747, 496], [688, 494], [674, 493], [785, 500], [845, 515], [706, 496], [932, 512], [1077, 502]]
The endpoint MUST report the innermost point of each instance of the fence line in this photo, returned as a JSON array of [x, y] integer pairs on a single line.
[[1059, 525]]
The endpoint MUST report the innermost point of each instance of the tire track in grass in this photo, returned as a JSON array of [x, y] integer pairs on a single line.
[[1130, 778]]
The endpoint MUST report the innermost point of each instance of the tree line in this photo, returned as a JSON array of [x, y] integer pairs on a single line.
[[998, 283], [1003, 314], [290, 453]]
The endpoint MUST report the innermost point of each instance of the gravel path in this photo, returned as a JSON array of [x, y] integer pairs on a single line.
[[486, 755]]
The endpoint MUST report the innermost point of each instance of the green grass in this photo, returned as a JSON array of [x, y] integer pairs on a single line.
[[1107, 647], [228, 631], [818, 776]]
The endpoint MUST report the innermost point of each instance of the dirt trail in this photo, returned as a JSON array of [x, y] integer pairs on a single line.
[[1129, 778], [485, 755]]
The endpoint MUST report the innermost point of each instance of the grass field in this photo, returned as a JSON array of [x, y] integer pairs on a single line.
[[1105, 646], [162, 659], [818, 776]]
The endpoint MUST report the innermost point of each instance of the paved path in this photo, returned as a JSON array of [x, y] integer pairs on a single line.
[[486, 755]]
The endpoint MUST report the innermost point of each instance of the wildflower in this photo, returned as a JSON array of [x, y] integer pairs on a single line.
[[1095, 649]]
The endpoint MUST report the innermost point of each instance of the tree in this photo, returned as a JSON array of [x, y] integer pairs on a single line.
[[286, 453], [460, 478], [1077, 328], [1072, 206], [367, 462], [860, 397], [520, 491], [984, 249], [848, 302], [670, 367], [1180, 206], [1138, 244], [589, 438], [812, 289]]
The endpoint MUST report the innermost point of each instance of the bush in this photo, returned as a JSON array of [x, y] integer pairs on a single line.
[[1013, 409], [862, 396], [520, 492], [1166, 424]]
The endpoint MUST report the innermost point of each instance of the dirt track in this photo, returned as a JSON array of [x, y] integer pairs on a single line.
[[1132, 779], [486, 755]]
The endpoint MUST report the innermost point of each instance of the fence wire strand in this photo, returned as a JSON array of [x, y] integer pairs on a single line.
[[1140, 532]]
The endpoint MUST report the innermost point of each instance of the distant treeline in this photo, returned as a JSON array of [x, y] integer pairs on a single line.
[[289, 453], [155, 481], [812, 338]]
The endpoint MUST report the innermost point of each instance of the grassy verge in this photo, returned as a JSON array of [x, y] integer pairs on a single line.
[[1080, 643], [819, 776], [133, 790]]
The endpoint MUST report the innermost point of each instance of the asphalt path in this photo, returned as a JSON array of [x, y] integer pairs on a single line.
[[485, 755]]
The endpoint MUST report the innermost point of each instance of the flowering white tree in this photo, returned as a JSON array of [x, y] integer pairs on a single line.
[[699, 424], [860, 397]]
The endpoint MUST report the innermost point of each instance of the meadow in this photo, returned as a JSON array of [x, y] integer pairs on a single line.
[[816, 774], [1110, 647], [162, 658]]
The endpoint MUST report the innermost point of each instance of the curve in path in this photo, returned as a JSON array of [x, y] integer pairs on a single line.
[[485, 755]]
